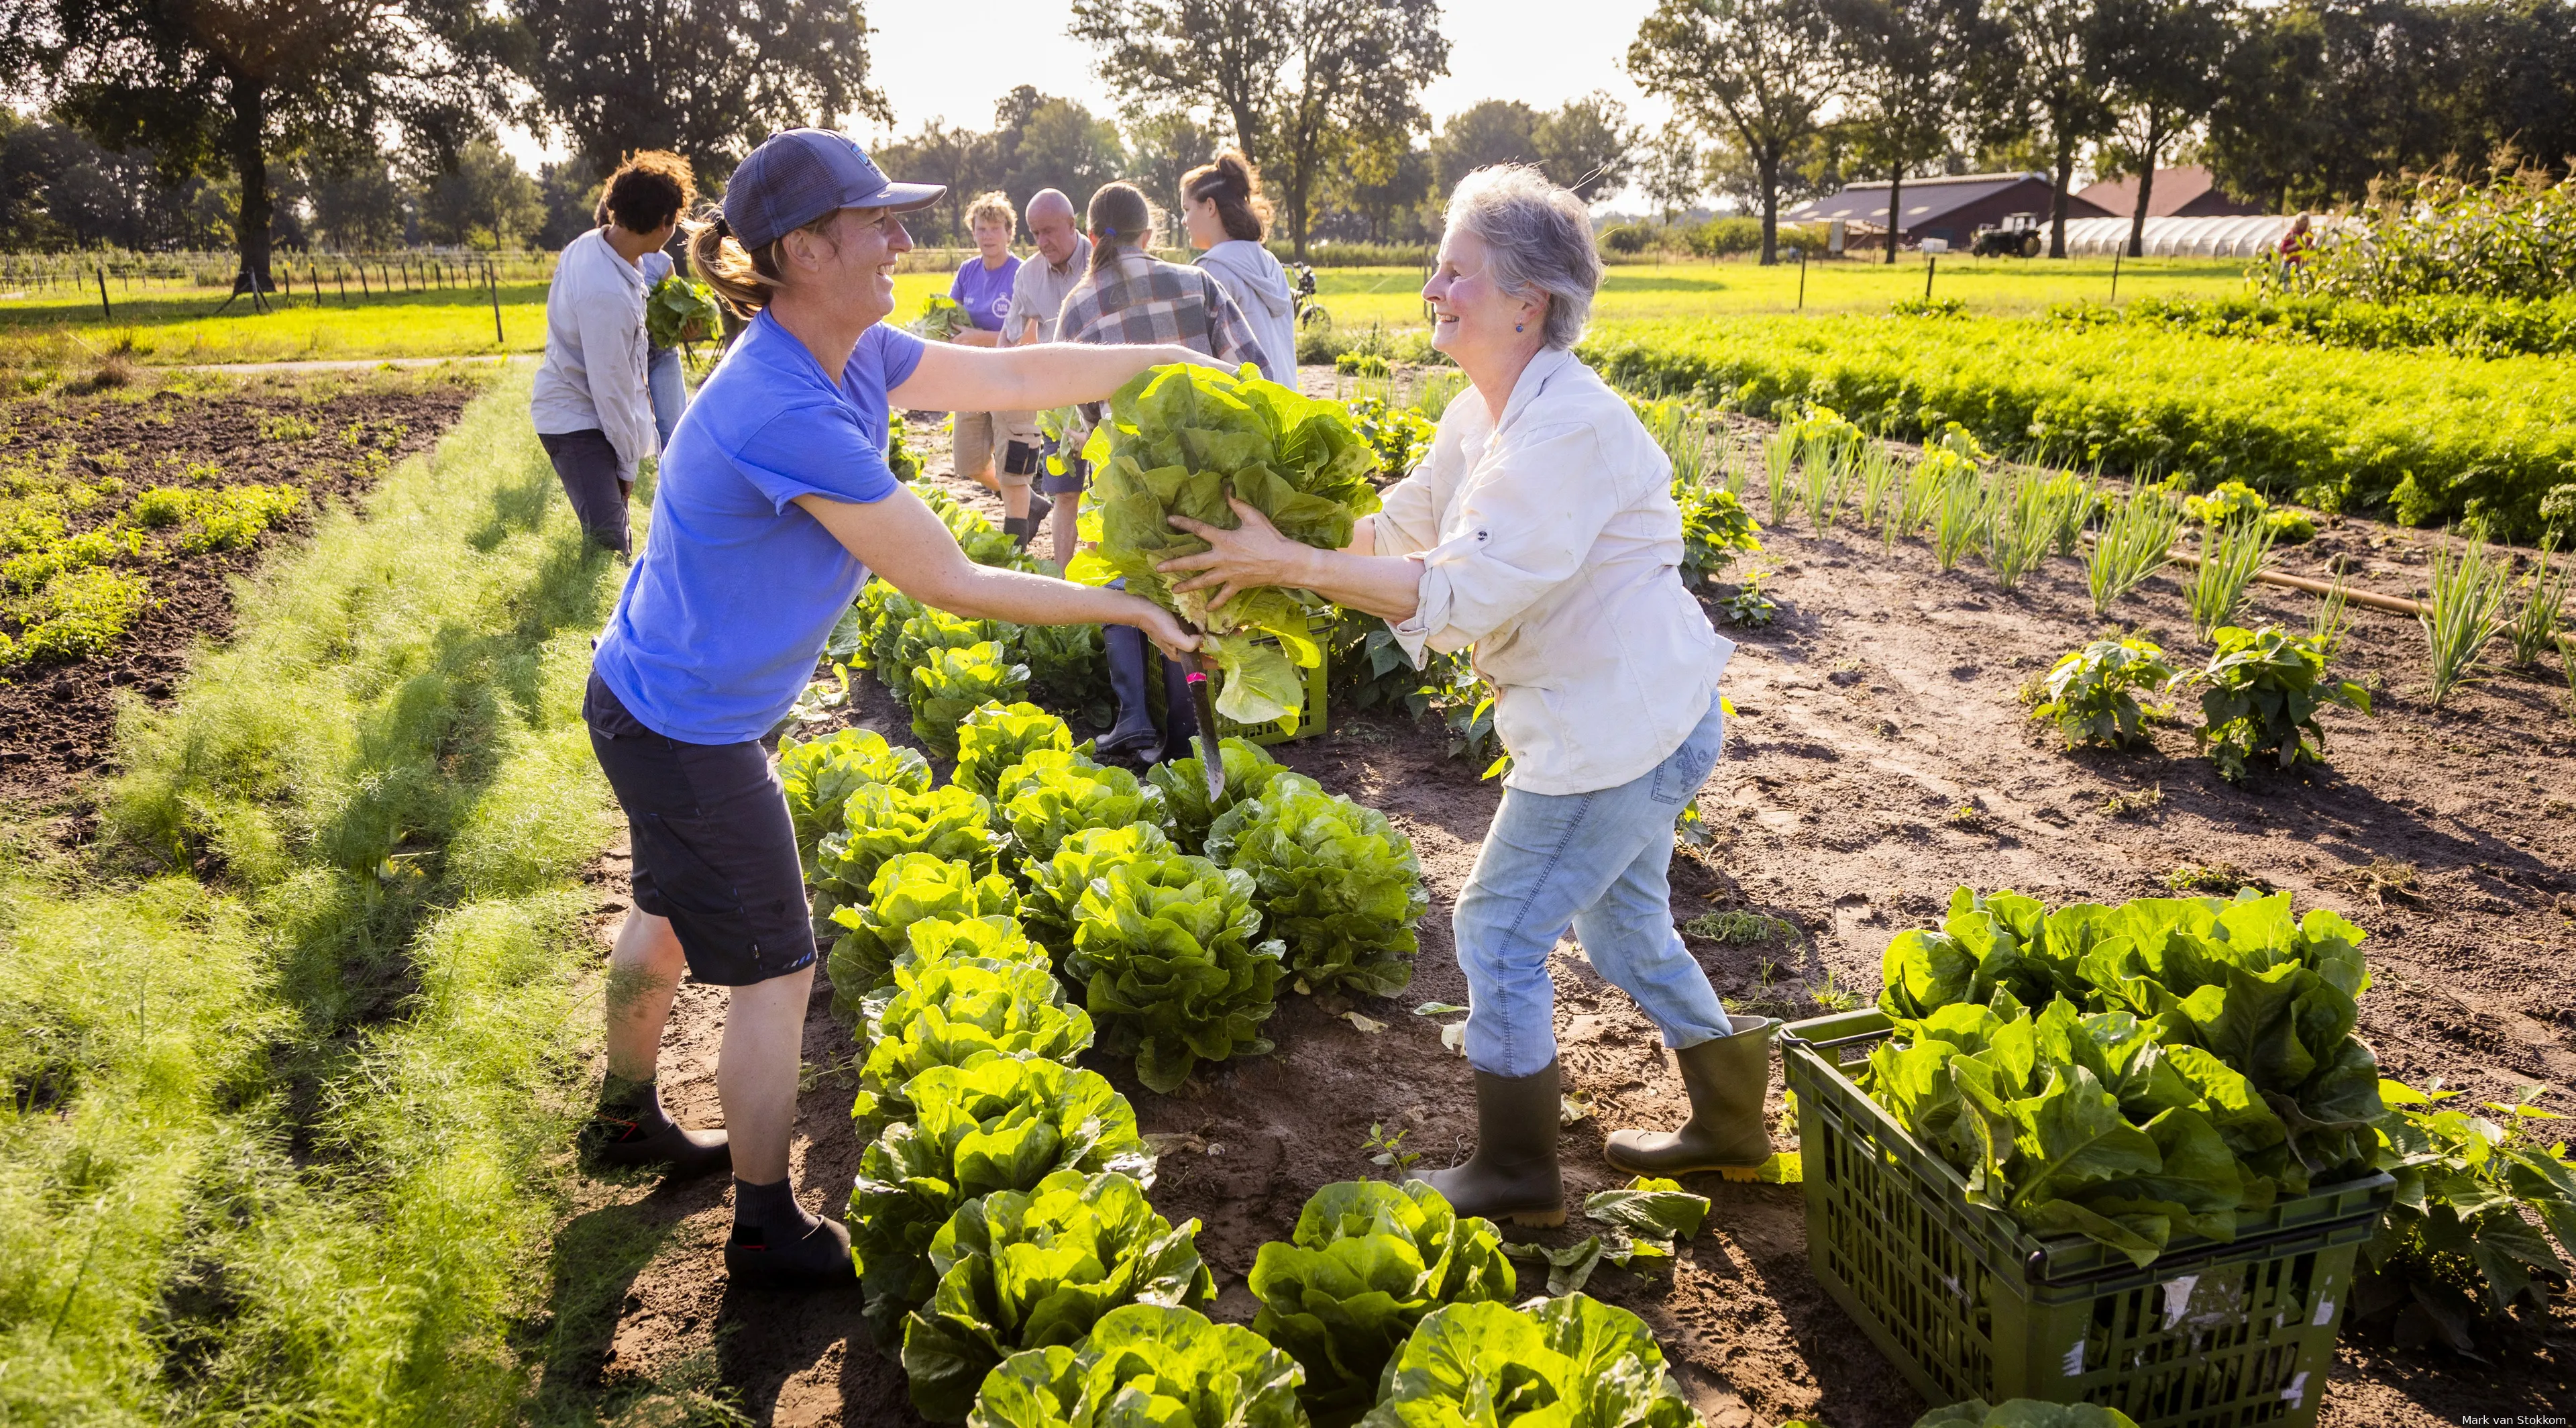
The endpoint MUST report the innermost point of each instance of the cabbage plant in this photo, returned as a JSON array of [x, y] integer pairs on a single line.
[[950, 684], [1050, 907], [1248, 770], [1024, 1270], [1002, 1124], [910, 887], [1365, 1263], [1336, 884], [1178, 440], [995, 737], [1574, 1362], [821, 775], [1143, 1364], [882, 821], [1051, 794], [1164, 948], [958, 1011]]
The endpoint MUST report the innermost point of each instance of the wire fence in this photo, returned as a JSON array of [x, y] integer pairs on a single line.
[[297, 275]]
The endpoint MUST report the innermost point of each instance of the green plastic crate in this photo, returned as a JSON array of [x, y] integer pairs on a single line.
[[1315, 720], [1968, 1304]]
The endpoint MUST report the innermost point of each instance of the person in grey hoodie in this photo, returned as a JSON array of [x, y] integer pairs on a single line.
[[1222, 206]]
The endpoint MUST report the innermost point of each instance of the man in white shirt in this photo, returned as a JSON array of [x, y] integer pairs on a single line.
[[592, 405], [1038, 291]]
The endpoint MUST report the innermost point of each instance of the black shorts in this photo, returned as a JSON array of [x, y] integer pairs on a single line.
[[715, 851]]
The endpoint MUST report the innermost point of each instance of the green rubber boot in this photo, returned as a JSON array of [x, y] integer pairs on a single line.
[[1725, 1134], [1512, 1174]]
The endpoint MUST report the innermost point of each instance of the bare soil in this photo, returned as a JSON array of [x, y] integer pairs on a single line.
[[1881, 756], [57, 721]]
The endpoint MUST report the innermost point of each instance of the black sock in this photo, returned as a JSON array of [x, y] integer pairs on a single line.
[[634, 1103], [769, 1213]]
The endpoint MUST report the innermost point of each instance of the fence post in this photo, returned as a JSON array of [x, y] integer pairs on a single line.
[[494, 282], [2116, 256], [1930, 262], [102, 296], [1802, 277]]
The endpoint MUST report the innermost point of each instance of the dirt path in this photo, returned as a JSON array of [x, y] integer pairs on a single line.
[[1881, 757]]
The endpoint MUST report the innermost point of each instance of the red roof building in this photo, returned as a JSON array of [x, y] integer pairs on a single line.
[[2186, 192], [1949, 207]]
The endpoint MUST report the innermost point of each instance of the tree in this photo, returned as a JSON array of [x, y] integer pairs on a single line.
[[357, 204], [485, 201], [2163, 59], [1753, 71], [1057, 145], [1589, 146], [940, 153], [1496, 131], [1162, 146], [570, 199], [1911, 68], [1819, 165], [1672, 171], [1299, 80], [706, 79], [2056, 78], [226, 86]]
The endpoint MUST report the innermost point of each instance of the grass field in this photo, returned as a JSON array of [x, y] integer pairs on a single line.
[[177, 324]]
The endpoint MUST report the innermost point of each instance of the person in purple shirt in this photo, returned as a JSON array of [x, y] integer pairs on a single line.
[[978, 442], [771, 506]]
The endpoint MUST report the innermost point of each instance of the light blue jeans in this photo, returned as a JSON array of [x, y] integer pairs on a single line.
[[1597, 861], [663, 384]]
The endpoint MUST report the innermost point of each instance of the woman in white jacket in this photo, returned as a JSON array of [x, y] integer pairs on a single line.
[[1222, 206], [1542, 532]]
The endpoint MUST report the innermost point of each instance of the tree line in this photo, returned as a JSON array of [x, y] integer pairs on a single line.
[[362, 122]]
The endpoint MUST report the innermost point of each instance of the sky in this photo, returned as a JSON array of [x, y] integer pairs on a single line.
[[953, 61]]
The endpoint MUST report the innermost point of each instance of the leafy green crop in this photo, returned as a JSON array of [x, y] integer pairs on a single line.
[[1025, 1270], [2265, 687], [1069, 666], [1051, 794], [956, 1011], [995, 737], [1179, 439], [923, 633], [1055, 886], [910, 887], [883, 612], [1003, 1124], [1365, 1263], [942, 318], [820, 777], [883, 820], [2461, 1237], [1145, 1366], [1336, 884], [1573, 1361], [2090, 690], [1248, 770], [678, 311], [952, 683], [2192, 1057], [1164, 948], [1715, 526]]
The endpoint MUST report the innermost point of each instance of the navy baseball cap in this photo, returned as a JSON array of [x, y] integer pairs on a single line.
[[799, 175]]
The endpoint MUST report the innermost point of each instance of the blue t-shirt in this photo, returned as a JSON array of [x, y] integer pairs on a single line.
[[735, 596], [984, 292]]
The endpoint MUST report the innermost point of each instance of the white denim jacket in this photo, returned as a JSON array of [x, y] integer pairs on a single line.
[[593, 374], [1550, 542]]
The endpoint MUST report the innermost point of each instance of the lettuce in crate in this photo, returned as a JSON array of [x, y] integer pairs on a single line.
[[1164, 950], [953, 683], [820, 776], [1337, 885], [996, 737], [1248, 770], [1050, 907], [1052, 794], [1166, 1366], [1576, 1360], [882, 820], [1177, 441], [910, 887], [1366, 1262], [1003, 1124], [1026, 1270]]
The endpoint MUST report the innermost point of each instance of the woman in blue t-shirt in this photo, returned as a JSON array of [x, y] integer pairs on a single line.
[[998, 450], [773, 502]]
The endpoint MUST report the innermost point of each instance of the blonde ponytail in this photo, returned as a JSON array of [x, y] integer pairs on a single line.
[[744, 278]]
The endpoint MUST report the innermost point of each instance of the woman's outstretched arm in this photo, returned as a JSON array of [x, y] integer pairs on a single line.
[[951, 378]]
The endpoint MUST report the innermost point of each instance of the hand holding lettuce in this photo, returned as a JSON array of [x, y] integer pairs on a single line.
[[1180, 440]]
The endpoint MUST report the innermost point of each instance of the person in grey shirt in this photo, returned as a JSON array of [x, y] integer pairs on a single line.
[[1037, 299]]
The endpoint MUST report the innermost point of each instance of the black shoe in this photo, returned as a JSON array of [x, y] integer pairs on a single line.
[[688, 1153], [817, 1259]]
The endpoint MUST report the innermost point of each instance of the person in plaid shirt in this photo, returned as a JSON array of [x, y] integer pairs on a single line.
[[1127, 294]]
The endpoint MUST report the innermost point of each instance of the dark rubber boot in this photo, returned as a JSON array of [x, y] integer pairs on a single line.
[[639, 1133], [1133, 740], [1180, 710], [1512, 1176], [1725, 1134], [776, 1245]]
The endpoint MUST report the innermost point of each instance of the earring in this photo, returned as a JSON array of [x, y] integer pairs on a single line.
[[1520, 326]]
